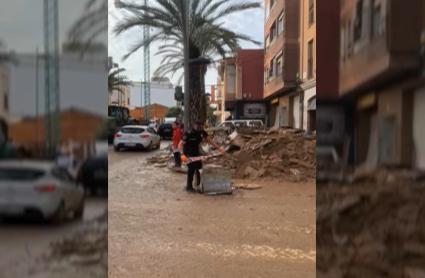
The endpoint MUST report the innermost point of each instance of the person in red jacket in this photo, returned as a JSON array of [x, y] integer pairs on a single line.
[[177, 136]]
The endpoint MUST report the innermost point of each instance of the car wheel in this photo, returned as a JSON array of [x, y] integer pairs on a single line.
[[59, 215], [79, 212]]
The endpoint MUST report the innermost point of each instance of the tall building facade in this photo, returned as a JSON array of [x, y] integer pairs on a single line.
[[307, 96], [381, 81], [281, 61]]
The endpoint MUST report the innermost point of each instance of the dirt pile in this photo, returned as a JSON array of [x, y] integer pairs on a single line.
[[259, 154], [371, 229], [277, 154]]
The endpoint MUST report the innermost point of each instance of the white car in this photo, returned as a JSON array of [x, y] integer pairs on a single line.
[[136, 136], [242, 123], [39, 188]]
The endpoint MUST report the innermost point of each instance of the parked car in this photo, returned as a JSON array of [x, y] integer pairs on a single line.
[[39, 189], [93, 174], [165, 130], [136, 137], [242, 124]]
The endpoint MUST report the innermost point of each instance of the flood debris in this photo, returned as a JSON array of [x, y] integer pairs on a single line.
[[260, 154], [372, 228], [83, 254], [274, 154]]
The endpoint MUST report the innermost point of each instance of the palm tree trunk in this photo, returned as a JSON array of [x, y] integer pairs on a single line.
[[197, 107]]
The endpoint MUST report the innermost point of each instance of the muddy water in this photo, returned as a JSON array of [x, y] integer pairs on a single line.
[[158, 230]]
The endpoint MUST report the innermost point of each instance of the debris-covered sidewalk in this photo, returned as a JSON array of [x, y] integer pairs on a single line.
[[373, 228], [257, 154]]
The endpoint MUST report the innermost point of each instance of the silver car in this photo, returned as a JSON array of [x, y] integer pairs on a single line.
[[39, 188], [137, 136]]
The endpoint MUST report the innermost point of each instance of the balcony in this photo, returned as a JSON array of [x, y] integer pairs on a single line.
[[377, 58]]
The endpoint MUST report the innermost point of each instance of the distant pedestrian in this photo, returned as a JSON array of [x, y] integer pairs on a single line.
[[177, 137]]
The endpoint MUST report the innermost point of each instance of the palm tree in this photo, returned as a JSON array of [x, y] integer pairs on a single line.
[[116, 81], [88, 27], [207, 37]]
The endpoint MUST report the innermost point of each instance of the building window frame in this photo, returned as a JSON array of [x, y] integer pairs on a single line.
[[358, 22], [281, 23], [279, 65], [376, 16], [311, 15], [310, 59]]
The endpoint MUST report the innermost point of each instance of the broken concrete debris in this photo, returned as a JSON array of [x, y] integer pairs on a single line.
[[259, 154], [371, 228]]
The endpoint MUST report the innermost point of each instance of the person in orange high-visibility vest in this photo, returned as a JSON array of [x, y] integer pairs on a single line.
[[177, 137]]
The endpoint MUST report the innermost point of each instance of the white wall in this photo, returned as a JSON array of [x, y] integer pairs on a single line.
[[419, 128], [308, 94], [160, 93], [83, 85]]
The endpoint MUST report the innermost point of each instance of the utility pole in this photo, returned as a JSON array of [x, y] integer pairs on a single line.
[[51, 66], [186, 68], [37, 130], [146, 70]]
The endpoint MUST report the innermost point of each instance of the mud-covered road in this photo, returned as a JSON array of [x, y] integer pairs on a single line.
[[158, 230], [22, 242]]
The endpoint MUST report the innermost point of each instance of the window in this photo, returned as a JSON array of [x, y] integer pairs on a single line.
[[280, 24], [375, 20], [132, 130], [20, 174], [358, 23], [349, 39], [279, 65], [272, 2], [272, 33], [151, 131], [271, 69], [311, 12], [267, 41], [310, 60]]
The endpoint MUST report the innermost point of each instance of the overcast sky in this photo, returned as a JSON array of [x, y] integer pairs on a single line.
[[21, 22], [248, 22]]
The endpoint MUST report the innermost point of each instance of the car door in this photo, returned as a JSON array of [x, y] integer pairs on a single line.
[[155, 136], [71, 193]]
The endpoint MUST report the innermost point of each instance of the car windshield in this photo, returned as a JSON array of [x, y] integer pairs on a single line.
[[256, 124], [132, 130], [19, 174]]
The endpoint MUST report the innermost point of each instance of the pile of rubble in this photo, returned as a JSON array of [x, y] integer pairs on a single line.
[[258, 154], [371, 229], [274, 154]]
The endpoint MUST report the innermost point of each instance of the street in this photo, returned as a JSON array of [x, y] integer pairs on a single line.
[[23, 242], [156, 229]]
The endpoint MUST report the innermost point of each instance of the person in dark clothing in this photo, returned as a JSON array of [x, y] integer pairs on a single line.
[[191, 142]]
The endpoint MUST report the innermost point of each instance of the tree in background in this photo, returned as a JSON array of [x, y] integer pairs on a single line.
[[207, 37], [92, 24], [116, 81], [174, 112]]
